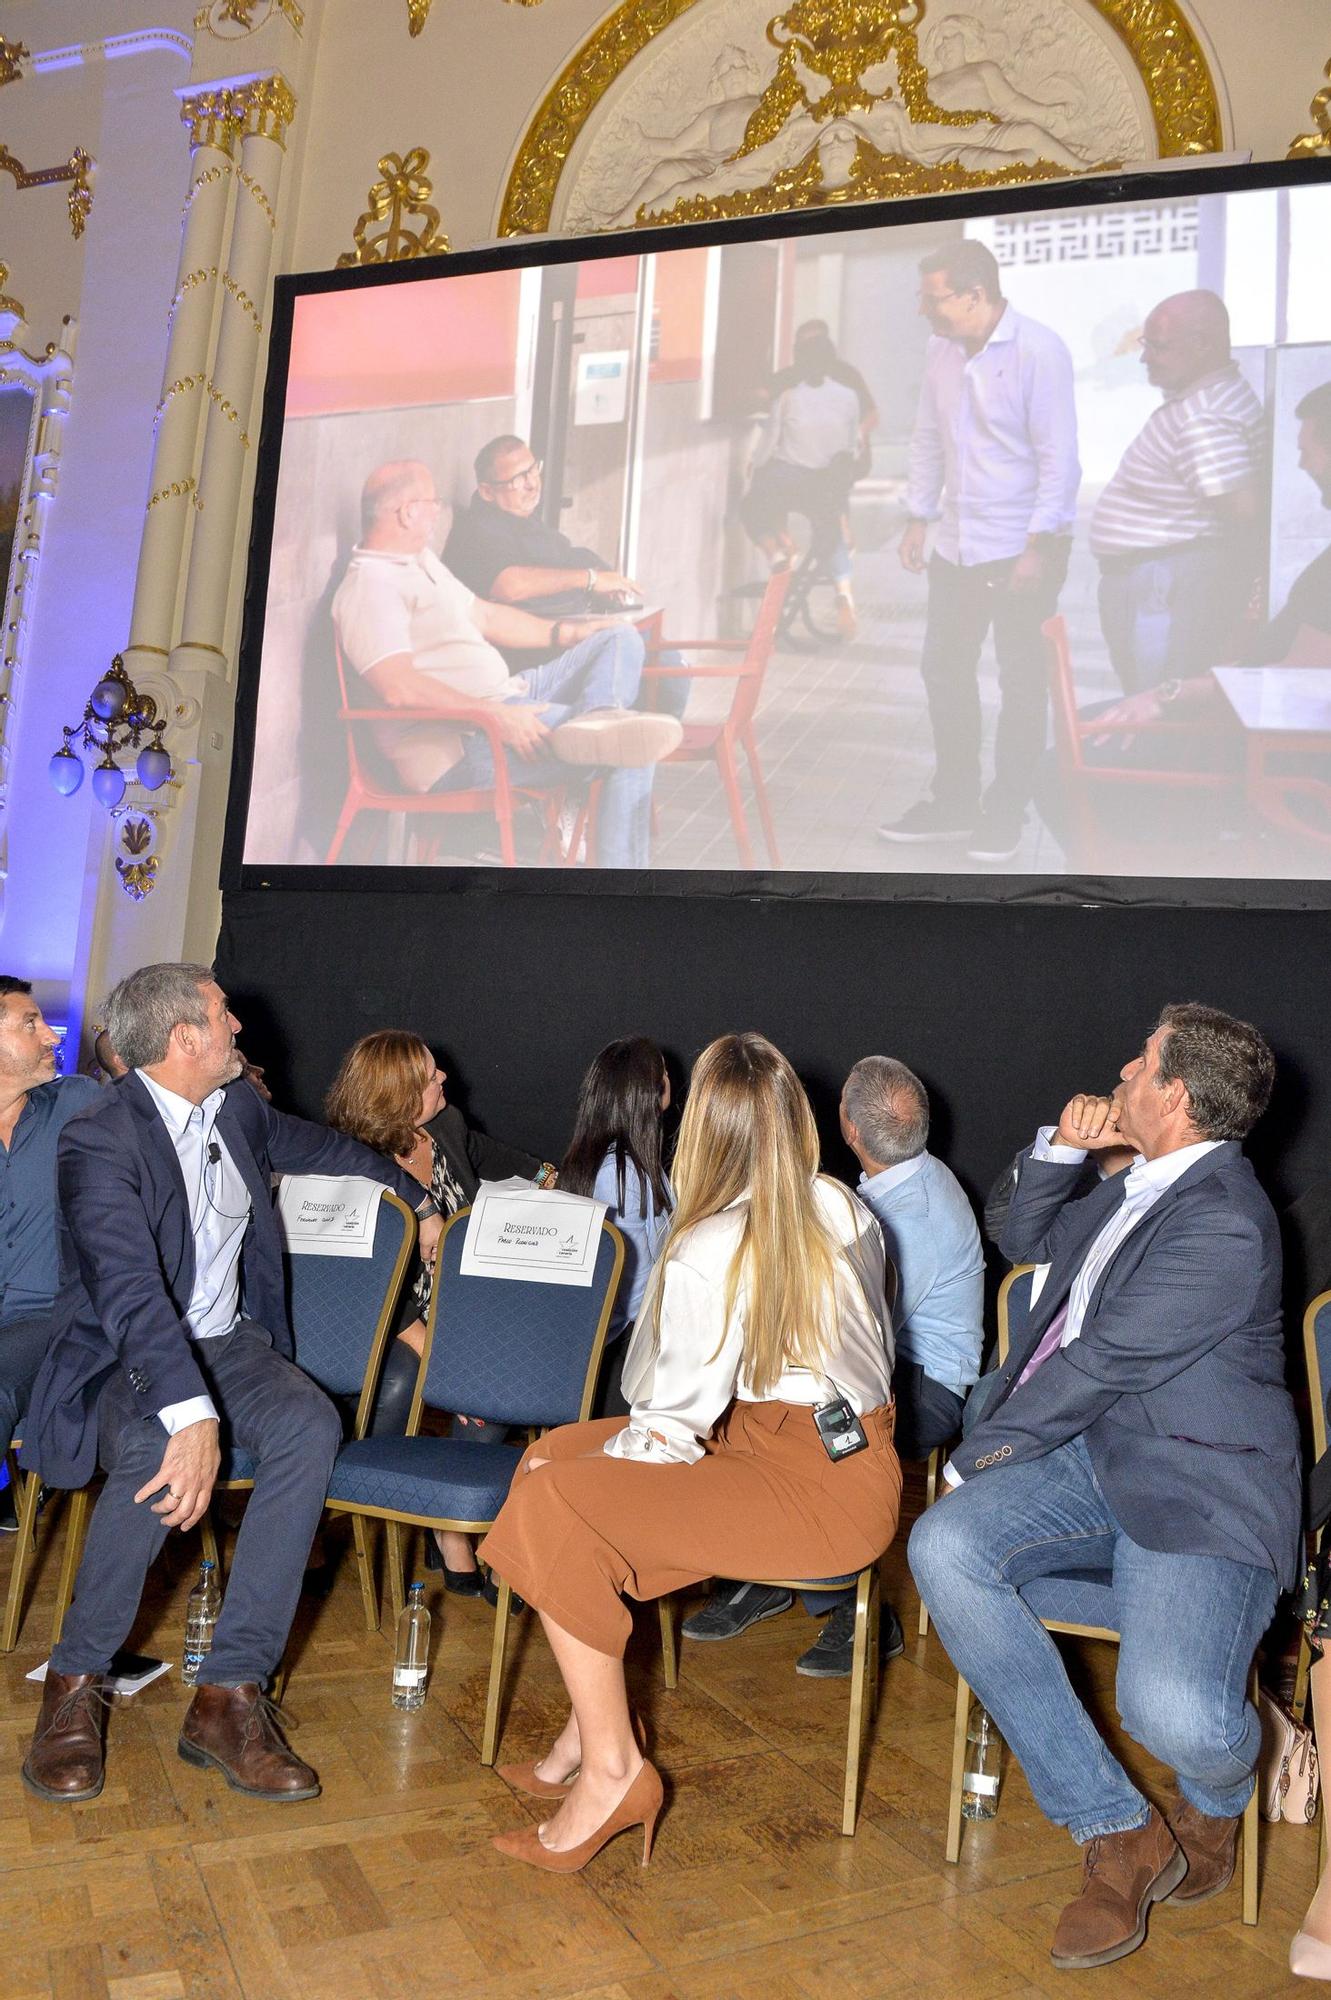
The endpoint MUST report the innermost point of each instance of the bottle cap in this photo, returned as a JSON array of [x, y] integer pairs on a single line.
[[207, 1563]]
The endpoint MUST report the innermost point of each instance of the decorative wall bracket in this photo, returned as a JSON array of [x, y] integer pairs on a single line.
[[12, 56], [403, 192], [231, 20], [1310, 145], [77, 170], [136, 858]]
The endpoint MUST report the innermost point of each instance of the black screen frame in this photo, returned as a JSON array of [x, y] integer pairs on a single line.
[[1212, 892]]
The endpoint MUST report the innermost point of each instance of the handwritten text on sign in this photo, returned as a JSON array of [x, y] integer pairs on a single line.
[[536, 1235], [321, 1216]]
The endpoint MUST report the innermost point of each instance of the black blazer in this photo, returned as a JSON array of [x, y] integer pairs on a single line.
[[473, 1157], [127, 1257], [1177, 1379]]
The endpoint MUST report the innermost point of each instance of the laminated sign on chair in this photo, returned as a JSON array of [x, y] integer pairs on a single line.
[[321, 1215], [536, 1235]]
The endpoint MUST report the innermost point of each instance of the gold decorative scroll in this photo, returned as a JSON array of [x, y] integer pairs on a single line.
[[219, 115], [403, 192], [8, 305], [217, 16], [12, 56], [77, 170], [418, 13], [1164, 50], [212, 120], [1309, 145]]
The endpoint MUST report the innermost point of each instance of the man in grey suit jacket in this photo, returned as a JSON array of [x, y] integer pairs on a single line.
[[171, 1316], [1140, 1434]]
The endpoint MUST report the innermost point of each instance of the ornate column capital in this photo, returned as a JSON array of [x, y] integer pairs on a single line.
[[265, 108], [245, 107], [211, 116]]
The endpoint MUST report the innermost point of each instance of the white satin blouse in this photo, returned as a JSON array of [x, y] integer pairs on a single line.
[[679, 1386]]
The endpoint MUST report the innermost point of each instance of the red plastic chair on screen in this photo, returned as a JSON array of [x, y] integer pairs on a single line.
[[1096, 792], [722, 740], [365, 795]]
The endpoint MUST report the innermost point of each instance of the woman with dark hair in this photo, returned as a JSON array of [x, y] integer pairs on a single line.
[[615, 1157], [389, 1094]]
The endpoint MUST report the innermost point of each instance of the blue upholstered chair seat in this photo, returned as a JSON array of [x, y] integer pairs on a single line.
[[1072, 1600], [439, 1478]]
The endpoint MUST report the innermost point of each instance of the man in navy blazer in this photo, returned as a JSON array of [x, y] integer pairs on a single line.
[[171, 1317], [1141, 1435]]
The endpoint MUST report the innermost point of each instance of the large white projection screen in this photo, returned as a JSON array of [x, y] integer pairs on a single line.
[[998, 544]]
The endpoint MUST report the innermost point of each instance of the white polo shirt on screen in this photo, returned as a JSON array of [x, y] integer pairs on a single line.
[[389, 603]]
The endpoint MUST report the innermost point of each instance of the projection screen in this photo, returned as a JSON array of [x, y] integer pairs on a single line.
[[918, 541]]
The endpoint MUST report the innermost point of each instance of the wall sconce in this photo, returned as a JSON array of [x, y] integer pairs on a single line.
[[116, 718]]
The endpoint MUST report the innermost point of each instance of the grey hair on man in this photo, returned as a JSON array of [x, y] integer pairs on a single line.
[[146, 1006], [889, 1108]]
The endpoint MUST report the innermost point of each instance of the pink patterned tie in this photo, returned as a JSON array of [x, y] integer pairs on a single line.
[[1050, 1341]]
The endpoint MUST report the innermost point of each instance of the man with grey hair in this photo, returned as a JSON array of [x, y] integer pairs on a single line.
[[171, 1320]]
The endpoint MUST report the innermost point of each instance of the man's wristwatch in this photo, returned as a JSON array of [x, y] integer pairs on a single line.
[[1168, 691]]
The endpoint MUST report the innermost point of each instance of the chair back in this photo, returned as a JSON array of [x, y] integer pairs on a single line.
[[510, 1351], [355, 771], [1014, 1306], [749, 681], [342, 1307], [1317, 1361], [1062, 695]]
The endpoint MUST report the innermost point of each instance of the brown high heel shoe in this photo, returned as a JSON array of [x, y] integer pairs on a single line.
[[639, 1807]]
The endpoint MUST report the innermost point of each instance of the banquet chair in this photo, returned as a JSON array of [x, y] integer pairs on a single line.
[[1317, 1373], [1080, 1607], [524, 1354], [28, 1486], [722, 740]]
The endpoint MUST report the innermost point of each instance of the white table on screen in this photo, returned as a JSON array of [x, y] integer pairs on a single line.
[[1279, 710]]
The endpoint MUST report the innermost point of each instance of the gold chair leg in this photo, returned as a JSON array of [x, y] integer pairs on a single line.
[[397, 1595], [859, 1700], [953, 1845], [1300, 1702], [76, 1527], [665, 1611], [930, 1495], [1249, 1864], [490, 1732], [208, 1539], [25, 1543], [277, 1691], [369, 1596]]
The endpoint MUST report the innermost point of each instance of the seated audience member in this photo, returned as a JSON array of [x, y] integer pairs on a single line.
[[1140, 1431], [106, 1064], [1112, 1160], [35, 1107], [421, 640], [770, 1287], [171, 1318], [1310, 1948], [614, 1156], [930, 1236], [1174, 530], [389, 1094]]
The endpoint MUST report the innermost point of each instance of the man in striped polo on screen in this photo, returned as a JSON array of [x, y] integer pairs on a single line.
[[1175, 528]]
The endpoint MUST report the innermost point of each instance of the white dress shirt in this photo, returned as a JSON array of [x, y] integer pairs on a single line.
[[993, 456], [219, 1213], [679, 1385]]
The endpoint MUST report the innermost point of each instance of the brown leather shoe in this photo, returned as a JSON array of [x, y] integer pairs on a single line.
[[1124, 1874], [237, 1729], [67, 1760], [1210, 1846]]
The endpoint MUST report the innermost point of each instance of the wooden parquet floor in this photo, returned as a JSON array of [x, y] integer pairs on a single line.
[[171, 1887]]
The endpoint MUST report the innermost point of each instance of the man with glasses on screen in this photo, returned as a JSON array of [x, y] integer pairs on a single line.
[[994, 473], [422, 640]]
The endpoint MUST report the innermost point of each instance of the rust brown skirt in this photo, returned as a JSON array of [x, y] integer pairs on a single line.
[[764, 1501]]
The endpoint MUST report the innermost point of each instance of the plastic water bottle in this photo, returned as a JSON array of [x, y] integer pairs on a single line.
[[411, 1661], [984, 1753], [205, 1602]]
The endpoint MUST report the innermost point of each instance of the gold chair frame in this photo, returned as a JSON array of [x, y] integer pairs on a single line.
[[1317, 1399], [1103, 1632]]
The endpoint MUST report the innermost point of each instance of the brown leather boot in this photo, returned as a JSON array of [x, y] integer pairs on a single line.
[[67, 1760], [237, 1730], [1210, 1845], [1124, 1874]]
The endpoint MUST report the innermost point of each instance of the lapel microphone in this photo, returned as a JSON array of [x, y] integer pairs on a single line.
[[214, 1153]]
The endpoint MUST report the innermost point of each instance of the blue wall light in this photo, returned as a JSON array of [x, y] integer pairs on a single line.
[[117, 717]]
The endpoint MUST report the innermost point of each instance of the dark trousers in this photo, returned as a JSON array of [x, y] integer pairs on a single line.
[[965, 602], [22, 1350], [283, 1420]]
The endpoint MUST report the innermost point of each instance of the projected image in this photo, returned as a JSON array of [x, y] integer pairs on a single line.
[[996, 545]]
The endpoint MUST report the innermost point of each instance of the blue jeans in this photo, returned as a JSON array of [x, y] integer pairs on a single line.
[[1189, 1626], [1175, 614], [604, 671]]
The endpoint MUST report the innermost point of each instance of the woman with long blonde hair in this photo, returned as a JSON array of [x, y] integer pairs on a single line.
[[767, 1302]]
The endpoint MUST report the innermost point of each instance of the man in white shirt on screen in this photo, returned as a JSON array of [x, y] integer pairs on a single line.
[[422, 640], [1174, 529], [994, 474]]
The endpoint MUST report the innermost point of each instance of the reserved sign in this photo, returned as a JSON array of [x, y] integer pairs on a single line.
[[321, 1215], [536, 1235]]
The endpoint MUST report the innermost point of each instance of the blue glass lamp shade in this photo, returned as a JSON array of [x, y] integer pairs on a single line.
[[154, 766], [108, 699], [65, 771], [108, 784]]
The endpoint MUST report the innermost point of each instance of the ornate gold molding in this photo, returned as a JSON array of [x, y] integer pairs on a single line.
[[217, 16], [77, 170], [222, 113], [265, 108], [12, 56], [211, 117], [404, 191], [418, 13], [1309, 145], [8, 305], [1164, 50], [184, 384]]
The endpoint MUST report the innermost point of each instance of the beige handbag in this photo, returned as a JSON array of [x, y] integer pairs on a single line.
[[1287, 1774]]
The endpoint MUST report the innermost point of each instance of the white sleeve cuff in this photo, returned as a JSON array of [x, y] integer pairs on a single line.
[[953, 1478], [1061, 1156], [195, 1410]]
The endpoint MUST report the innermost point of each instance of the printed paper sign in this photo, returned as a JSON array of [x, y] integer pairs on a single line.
[[322, 1216], [536, 1235]]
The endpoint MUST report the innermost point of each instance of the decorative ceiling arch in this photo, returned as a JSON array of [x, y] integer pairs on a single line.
[[1164, 55]]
